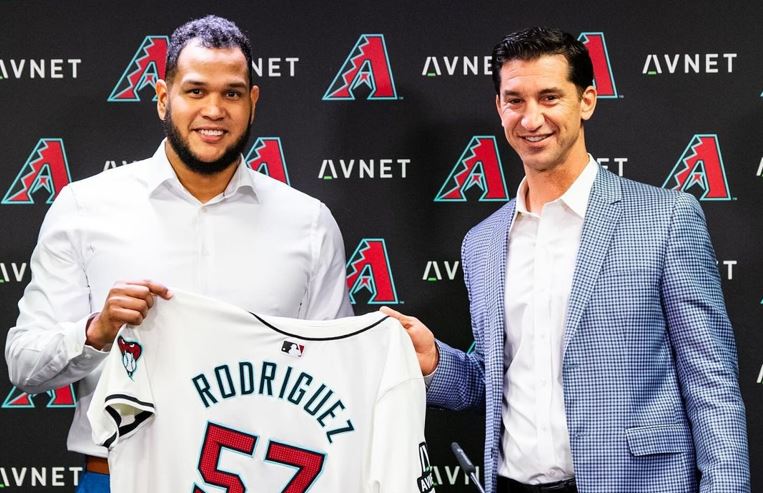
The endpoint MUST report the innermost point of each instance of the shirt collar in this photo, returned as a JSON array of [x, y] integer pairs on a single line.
[[160, 172], [521, 206], [576, 197], [242, 180]]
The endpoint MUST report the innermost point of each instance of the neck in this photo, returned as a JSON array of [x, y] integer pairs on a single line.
[[203, 187], [548, 185]]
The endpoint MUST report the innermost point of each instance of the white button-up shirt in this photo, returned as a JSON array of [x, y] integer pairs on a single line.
[[540, 264], [260, 245]]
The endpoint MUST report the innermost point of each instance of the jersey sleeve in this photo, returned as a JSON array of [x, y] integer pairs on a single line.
[[399, 460], [122, 400]]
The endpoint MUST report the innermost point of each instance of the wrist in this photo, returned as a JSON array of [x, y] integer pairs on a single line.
[[93, 333], [434, 360]]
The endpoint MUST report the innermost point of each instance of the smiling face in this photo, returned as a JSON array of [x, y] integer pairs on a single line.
[[207, 108], [542, 112]]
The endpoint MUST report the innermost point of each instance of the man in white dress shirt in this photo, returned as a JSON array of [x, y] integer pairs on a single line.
[[192, 216], [604, 357]]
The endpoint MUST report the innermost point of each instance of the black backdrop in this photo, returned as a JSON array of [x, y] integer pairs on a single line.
[[685, 81]]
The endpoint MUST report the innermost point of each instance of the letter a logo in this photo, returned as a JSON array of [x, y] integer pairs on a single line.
[[479, 166], [602, 70], [147, 66], [60, 397], [367, 64], [46, 168], [266, 156], [368, 269], [701, 165]]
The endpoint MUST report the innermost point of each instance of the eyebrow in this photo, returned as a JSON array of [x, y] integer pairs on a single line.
[[230, 85], [548, 90]]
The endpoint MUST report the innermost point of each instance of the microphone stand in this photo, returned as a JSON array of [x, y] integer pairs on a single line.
[[466, 465]]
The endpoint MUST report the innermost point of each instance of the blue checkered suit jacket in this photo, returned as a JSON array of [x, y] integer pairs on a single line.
[[649, 365]]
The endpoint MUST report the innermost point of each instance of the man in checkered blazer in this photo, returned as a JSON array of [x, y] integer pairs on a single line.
[[604, 357]]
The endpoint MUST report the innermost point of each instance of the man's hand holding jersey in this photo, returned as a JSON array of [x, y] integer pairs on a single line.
[[128, 302], [422, 337]]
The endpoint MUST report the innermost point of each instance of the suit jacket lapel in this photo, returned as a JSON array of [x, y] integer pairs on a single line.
[[602, 216], [495, 277]]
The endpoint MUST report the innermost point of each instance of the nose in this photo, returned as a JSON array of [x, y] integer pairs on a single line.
[[533, 118], [213, 108]]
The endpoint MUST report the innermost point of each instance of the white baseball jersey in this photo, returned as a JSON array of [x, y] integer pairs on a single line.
[[205, 397]]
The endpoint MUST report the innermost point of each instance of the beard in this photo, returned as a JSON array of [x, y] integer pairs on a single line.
[[191, 160]]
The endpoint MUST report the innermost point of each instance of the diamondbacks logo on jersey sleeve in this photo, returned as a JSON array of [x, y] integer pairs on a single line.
[[131, 352], [701, 166]]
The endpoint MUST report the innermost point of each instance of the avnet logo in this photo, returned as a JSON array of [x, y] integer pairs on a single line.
[[41, 477], [688, 63], [12, 272], [39, 68]]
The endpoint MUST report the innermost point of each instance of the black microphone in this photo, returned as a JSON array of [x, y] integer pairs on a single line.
[[466, 465]]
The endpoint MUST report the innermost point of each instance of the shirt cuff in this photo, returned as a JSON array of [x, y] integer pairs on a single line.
[[76, 341], [428, 378]]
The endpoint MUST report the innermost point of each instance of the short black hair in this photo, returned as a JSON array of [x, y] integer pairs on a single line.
[[211, 32], [535, 42]]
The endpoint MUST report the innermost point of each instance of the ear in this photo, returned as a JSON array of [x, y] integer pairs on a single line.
[[588, 103], [162, 95], [498, 108], [254, 96]]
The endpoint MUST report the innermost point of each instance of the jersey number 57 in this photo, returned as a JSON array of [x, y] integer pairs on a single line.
[[307, 462]]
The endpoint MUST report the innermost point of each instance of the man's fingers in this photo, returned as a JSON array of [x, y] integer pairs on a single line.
[[115, 305], [421, 337], [144, 289], [405, 320], [159, 289], [127, 316], [154, 287], [104, 326], [129, 302], [391, 313]]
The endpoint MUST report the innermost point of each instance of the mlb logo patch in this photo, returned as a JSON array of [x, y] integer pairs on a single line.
[[292, 349]]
